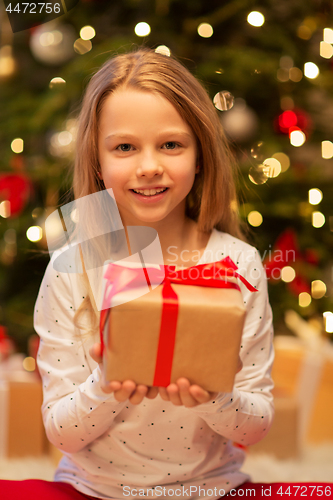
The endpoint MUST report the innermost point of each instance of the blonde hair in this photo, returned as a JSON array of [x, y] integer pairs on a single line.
[[212, 199]]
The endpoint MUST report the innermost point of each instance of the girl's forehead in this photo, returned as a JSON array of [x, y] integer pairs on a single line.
[[133, 107]]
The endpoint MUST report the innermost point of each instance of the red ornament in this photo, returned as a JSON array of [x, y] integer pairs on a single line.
[[286, 252], [16, 188], [293, 119]]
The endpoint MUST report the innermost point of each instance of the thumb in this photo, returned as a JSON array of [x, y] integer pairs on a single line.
[[95, 352]]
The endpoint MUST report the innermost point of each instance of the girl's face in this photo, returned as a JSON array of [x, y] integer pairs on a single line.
[[144, 144]]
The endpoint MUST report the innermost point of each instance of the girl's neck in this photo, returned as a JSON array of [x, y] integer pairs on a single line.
[[182, 245]]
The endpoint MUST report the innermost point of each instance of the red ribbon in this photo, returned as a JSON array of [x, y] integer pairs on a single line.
[[214, 275]]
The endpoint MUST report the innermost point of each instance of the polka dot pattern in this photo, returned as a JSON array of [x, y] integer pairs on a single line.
[[108, 445]]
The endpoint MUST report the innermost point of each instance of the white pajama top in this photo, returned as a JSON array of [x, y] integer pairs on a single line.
[[154, 449]]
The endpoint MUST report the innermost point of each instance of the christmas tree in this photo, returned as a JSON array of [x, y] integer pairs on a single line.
[[267, 66]]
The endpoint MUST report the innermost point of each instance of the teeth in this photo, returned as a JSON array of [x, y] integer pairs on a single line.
[[149, 192]]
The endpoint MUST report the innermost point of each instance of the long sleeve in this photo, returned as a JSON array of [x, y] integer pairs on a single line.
[[75, 409], [246, 414]]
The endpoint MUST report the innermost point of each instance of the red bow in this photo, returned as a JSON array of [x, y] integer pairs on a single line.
[[214, 274]]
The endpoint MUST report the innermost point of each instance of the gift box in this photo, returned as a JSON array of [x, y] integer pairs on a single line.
[[189, 326], [21, 426]]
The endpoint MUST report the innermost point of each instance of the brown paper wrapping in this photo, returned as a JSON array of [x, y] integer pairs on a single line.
[[208, 337]]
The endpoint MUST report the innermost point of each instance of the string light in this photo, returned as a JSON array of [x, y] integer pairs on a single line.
[[318, 289], [205, 30], [326, 50], [328, 320], [327, 149], [163, 49], [56, 82], [87, 33], [288, 274], [17, 145], [34, 233], [318, 219], [256, 18], [328, 35], [142, 29], [255, 218], [272, 167], [304, 299], [311, 70], [82, 46], [297, 138], [295, 74], [283, 159], [5, 209], [315, 196]]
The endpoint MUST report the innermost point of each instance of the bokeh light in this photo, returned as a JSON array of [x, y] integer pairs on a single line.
[[34, 233], [87, 33], [163, 49], [283, 159], [327, 149], [318, 219], [328, 35], [304, 299], [288, 274], [326, 50], [5, 209], [223, 100], [255, 218], [57, 81], [297, 138], [318, 289], [142, 29], [272, 167], [255, 18], [205, 30], [17, 145], [328, 320], [311, 70], [82, 46], [315, 196]]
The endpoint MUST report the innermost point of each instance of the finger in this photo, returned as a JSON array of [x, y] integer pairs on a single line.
[[152, 392], [240, 365], [200, 395], [163, 393], [127, 388], [111, 386], [138, 394], [186, 397], [173, 392], [95, 352]]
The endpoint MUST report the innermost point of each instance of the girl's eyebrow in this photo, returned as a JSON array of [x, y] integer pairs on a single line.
[[179, 133]]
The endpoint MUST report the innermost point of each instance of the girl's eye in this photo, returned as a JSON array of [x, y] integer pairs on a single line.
[[124, 147], [171, 145]]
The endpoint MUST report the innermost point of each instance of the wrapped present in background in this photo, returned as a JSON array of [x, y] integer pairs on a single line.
[[189, 326], [21, 426], [303, 377]]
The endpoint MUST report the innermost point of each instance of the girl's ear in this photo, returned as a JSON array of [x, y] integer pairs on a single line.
[[99, 174]]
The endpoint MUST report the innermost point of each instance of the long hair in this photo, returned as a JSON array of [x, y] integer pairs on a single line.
[[212, 200]]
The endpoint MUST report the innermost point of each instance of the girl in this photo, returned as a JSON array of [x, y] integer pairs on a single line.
[[147, 125]]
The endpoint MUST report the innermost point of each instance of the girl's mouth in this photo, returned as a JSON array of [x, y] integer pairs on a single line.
[[149, 197]]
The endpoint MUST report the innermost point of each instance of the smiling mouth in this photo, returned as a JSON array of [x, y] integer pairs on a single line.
[[148, 195]]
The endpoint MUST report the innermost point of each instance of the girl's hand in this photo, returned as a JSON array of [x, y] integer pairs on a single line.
[[182, 393], [123, 390]]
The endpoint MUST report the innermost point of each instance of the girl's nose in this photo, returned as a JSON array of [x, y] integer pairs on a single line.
[[149, 166]]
